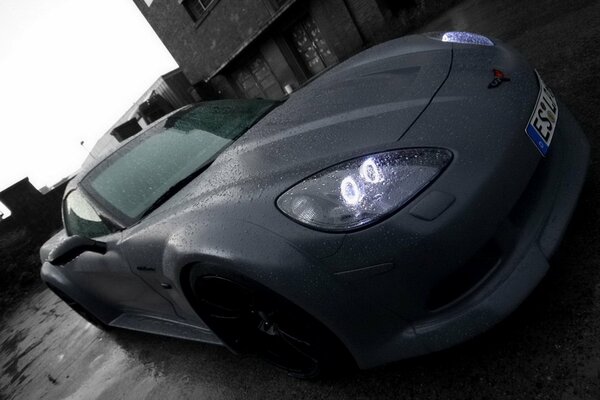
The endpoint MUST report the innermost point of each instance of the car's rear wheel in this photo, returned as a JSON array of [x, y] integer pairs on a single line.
[[255, 320]]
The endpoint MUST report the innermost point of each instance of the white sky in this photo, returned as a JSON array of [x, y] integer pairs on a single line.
[[68, 70]]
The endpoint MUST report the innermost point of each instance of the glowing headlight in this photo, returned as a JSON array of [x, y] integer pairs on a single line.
[[361, 191], [462, 37]]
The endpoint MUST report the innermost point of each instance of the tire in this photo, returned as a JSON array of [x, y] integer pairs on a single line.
[[253, 320]]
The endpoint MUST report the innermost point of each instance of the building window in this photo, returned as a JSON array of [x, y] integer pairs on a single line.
[[196, 8]]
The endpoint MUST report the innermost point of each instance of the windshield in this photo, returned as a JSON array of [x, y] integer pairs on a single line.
[[131, 180]]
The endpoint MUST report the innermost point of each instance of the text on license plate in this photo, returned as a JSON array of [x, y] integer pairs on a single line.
[[544, 118]]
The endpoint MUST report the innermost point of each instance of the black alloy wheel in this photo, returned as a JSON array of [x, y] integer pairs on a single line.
[[257, 321]]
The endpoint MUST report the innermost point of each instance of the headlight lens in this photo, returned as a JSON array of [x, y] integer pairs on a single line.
[[363, 190], [462, 37]]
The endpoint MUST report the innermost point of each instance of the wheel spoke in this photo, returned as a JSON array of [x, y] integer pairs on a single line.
[[286, 349], [295, 339], [293, 343], [252, 321]]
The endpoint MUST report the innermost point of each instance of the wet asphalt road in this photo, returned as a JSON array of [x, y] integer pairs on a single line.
[[548, 349]]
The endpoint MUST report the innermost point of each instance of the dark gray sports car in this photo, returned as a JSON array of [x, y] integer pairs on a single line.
[[405, 201]]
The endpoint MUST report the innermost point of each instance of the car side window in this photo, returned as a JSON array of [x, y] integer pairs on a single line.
[[81, 219]]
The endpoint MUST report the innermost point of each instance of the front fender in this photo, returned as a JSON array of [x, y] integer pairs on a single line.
[[240, 250]]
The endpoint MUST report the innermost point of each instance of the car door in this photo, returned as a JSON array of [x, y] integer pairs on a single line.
[[107, 277]]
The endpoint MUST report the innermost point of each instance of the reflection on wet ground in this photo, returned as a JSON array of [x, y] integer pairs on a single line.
[[50, 352]]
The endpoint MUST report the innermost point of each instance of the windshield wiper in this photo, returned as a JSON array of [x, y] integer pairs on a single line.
[[176, 188]]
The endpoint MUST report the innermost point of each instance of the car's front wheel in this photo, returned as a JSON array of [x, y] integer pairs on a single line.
[[252, 319]]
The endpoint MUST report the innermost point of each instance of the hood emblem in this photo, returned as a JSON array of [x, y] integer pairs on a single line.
[[499, 77]]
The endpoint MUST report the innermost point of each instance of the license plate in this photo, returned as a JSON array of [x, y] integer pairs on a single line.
[[544, 118]]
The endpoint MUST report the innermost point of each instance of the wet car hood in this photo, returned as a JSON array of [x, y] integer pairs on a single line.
[[361, 104]]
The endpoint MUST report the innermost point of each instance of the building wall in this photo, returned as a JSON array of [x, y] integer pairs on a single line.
[[369, 20], [281, 55], [202, 47], [176, 89], [34, 218], [24, 201], [38, 214], [261, 48], [337, 25]]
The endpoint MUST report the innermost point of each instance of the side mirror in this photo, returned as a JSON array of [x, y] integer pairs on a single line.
[[73, 246]]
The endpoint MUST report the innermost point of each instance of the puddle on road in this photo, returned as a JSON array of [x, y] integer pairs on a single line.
[[47, 351]]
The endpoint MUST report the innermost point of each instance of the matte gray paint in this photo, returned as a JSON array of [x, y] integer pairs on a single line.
[[225, 222]]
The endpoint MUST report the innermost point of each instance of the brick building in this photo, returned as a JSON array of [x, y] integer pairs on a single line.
[[263, 48]]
